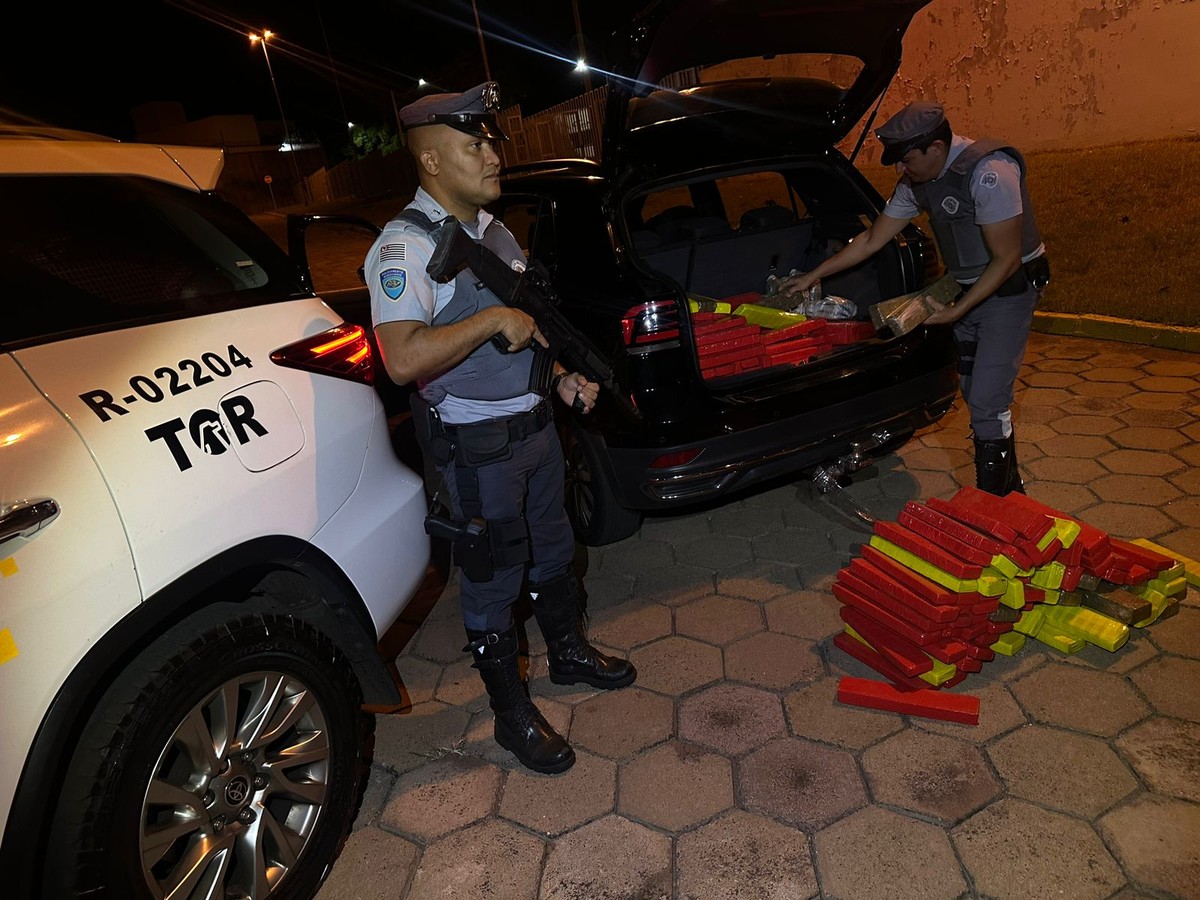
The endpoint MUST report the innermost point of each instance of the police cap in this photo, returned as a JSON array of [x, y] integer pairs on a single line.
[[472, 111], [909, 128]]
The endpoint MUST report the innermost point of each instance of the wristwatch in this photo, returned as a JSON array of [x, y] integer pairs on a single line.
[[556, 381]]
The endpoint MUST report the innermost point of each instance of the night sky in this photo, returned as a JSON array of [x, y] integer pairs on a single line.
[[85, 68]]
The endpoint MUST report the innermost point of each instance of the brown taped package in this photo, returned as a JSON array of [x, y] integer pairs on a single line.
[[904, 313]]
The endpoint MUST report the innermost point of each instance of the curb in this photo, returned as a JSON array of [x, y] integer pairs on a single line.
[[1107, 328]]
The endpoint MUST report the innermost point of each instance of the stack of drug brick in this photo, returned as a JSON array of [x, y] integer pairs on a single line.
[[729, 344], [942, 590]]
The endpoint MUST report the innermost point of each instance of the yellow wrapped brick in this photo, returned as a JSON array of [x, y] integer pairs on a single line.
[[1014, 594], [706, 304], [1031, 621], [1049, 576], [940, 673], [767, 317], [1067, 531], [1052, 636], [1089, 625], [1009, 643]]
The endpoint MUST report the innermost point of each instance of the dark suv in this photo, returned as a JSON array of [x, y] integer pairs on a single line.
[[704, 191]]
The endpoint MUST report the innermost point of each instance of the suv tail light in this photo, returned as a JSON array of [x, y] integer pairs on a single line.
[[343, 352], [651, 325]]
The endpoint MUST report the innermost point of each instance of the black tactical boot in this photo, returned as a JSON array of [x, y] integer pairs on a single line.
[[558, 607], [995, 466], [520, 728], [1014, 473]]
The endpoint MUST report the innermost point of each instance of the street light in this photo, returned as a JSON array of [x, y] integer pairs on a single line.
[[261, 39], [581, 65]]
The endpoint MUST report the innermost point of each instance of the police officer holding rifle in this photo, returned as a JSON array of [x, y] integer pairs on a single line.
[[483, 412]]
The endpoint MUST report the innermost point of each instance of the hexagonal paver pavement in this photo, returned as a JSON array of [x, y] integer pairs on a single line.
[[408, 739], [620, 723], [374, 854], [1179, 634], [1072, 697], [718, 620], [551, 805], [676, 665], [609, 858], [630, 624], [675, 786], [731, 718], [1166, 754], [744, 855], [1170, 684], [1068, 772], [1156, 840], [1015, 849], [998, 713], [879, 853], [444, 795], [716, 553], [758, 581], [801, 783], [805, 614], [491, 859], [813, 713], [729, 770], [929, 774], [774, 661]]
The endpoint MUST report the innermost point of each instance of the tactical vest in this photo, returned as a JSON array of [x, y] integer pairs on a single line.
[[487, 373], [952, 212]]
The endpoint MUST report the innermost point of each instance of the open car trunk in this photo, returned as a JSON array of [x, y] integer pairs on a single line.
[[719, 240]]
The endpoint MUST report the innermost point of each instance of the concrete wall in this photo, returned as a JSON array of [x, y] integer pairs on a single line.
[[1057, 74], [1045, 74]]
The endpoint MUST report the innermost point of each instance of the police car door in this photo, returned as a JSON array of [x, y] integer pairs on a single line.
[[170, 305], [66, 572]]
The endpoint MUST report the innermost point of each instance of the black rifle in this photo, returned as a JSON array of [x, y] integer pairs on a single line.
[[529, 291]]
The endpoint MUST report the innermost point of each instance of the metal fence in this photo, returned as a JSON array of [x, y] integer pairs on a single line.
[[571, 130]]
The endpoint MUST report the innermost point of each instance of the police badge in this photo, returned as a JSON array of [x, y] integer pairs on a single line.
[[393, 281]]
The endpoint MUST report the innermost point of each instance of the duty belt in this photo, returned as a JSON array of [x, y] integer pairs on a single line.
[[520, 426]]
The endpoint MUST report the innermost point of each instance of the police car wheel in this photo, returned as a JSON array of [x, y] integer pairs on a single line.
[[596, 516], [226, 761]]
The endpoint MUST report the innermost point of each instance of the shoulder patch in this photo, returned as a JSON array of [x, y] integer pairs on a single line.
[[989, 180], [392, 253], [393, 282], [950, 205]]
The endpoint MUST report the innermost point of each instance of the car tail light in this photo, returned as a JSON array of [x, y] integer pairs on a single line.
[[678, 458], [343, 352], [650, 324]]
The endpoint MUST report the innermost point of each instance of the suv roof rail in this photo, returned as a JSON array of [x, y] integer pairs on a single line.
[[49, 133], [555, 165]]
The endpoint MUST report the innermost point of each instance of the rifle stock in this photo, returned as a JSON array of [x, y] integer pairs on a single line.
[[529, 291]]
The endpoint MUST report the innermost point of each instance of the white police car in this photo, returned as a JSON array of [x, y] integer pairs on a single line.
[[203, 533]]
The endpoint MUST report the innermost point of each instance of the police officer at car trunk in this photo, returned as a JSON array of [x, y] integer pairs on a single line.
[[485, 425], [978, 204]]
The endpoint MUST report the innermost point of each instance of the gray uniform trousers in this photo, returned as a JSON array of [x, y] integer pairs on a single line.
[[999, 327], [530, 482]]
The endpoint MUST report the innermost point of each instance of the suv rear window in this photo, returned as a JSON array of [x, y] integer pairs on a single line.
[[81, 253]]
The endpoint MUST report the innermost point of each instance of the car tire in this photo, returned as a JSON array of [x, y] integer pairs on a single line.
[[228, 758], [596, 516]]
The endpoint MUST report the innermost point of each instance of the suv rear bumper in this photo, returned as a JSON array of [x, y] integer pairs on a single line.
[[730, 462]]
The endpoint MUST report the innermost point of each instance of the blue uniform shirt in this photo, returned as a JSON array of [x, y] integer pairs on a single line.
[[401, 291]]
